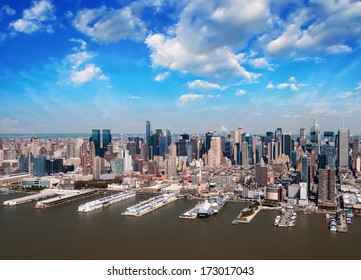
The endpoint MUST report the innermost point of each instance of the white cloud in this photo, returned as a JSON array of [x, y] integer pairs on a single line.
[[240, 92], [38, 17], [321, 26], [162, 76], [172, 54], [81, 68], [347, 94], [338, 49], [207, 43], [188, 98], [291, 84], [110, 25], [270, 85], [358, 86], [199, 84], [292, 80], [261, 63], [88, 73], [7, 10], [282, 86]]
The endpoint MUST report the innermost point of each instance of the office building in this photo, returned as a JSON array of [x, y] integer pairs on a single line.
[[343, 149], [327, 186]]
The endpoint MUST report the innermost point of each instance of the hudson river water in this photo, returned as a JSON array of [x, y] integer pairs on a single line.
[[63, 233]]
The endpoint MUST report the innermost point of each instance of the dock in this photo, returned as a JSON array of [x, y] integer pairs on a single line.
[[190, 214], [149, 205], [64, 198], [286, 219], [245, 220], [30, 198], [341, 223], [105, 201]]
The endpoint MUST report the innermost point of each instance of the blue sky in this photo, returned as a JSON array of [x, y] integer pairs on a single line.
[[70, 66]]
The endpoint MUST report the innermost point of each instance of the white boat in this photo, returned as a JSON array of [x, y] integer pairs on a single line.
[[328, 216], [276, 222]]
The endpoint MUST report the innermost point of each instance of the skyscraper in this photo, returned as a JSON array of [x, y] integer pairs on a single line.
[[107, 138], [343, 149], [96, 139], [327, 156], [327, 185], [305, 167]]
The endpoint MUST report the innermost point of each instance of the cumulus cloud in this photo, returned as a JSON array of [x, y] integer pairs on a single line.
[[200, 84], [261, 63], [86, 74], [82, 70], [188, 98], [270, 85], [291, 84], [207, 43], [321, 26], [110, 25], [38, 17], [172, 54], [240, 92], [162, 76]]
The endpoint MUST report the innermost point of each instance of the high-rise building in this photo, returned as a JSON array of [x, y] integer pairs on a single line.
[[97, 167], [343, 149], [327, 156], [329, 136], [96, 139], [315, 136], [305, 169], [244, 153], [327, 185], [261, 175], [209, 135], [107, 138], [215, 153], [287, 145], [302, 133]]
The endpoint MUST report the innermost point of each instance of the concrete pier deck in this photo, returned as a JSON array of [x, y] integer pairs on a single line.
[[190, 214], [30, 198], [149, 205]]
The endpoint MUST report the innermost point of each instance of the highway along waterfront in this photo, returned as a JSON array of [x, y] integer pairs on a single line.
[[63, 233]]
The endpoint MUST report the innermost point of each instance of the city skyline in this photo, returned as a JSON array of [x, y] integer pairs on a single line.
[[195, 65]]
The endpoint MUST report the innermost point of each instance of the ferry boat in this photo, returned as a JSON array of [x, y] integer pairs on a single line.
[[105, 201]]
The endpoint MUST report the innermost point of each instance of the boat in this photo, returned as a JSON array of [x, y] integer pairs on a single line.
[[328, 216], [276, 222], [348, 220], [349, 214]]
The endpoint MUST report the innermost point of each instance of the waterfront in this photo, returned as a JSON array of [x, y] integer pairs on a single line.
[[62, 233]]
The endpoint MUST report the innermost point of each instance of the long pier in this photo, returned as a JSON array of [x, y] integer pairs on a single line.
[[30, 198], [149, 205], [105, 201], [72, 195]]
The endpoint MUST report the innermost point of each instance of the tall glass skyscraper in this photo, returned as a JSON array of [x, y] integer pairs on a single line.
[[107, 138], [96, 139]]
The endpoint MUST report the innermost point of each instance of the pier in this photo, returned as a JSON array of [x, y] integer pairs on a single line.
[[67, 197], [29, 198], [341, 223], [105, 201], [286, 219], [150, 205], [190, 214], [245, 220]]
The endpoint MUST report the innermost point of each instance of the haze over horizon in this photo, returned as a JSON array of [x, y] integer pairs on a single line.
[[69, 67]]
